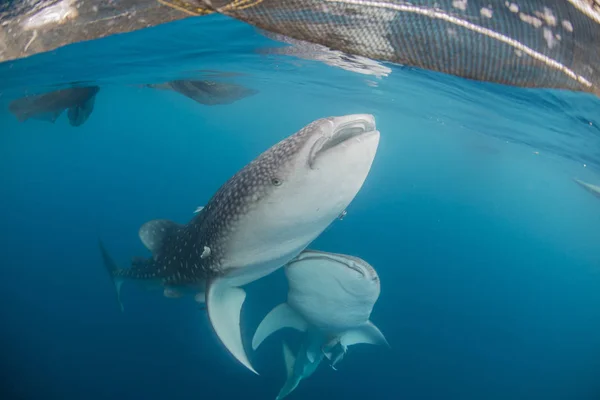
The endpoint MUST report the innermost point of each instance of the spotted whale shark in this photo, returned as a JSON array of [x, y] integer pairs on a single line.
[[260, 219], [78, 101], [330, 298]]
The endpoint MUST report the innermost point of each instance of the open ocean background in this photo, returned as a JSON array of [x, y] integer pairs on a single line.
[[487, 250]]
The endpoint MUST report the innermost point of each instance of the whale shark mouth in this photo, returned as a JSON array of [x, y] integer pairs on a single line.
[[354, 263], [342, 134]]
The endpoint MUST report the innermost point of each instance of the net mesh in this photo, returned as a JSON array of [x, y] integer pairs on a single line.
[[534, 43], [527, 43]]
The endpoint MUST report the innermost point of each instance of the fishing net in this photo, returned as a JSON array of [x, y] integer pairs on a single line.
[[533, 43]]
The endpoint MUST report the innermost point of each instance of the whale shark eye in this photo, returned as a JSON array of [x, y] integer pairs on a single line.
[[276, 181]]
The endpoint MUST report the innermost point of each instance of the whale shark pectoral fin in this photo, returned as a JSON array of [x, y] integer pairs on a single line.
[[292, 380], [153, 233], [282, 316], [111, 267], [368, 334], [79, 113], [224, 306]]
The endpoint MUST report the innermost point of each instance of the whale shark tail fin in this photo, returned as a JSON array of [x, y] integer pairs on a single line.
[[111, 268], [292, 380], [282, 316]]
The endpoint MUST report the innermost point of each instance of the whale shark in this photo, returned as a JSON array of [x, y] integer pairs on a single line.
[[260, 219], [593, 189], [206, 92], [330, 298], [79, 101]]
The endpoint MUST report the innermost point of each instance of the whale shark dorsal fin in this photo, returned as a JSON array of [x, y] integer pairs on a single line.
[[224, 305], [282, 316], [289, 359], [153, 233], [367, 333]]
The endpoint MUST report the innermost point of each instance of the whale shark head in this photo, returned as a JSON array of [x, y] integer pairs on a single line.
[[275, 206], [297, 188], [332, 292]]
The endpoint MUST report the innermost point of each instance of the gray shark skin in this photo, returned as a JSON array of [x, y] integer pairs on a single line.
[[79, 101], [208, 93], [260, 219]]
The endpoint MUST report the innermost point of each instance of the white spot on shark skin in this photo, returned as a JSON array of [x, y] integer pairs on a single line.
[[460, 4], [518, 53], [550, 41], [567, 25], [205, 253], [486, 12], [531, 20]]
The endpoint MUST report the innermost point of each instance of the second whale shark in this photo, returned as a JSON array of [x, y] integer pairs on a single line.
[[330, 297], [260, 219]]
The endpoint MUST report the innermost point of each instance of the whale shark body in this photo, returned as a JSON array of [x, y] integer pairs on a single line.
[[259, 220], [78, 101], [330, 297]]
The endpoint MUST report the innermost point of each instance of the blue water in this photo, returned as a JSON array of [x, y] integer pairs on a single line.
[[487, 250]]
